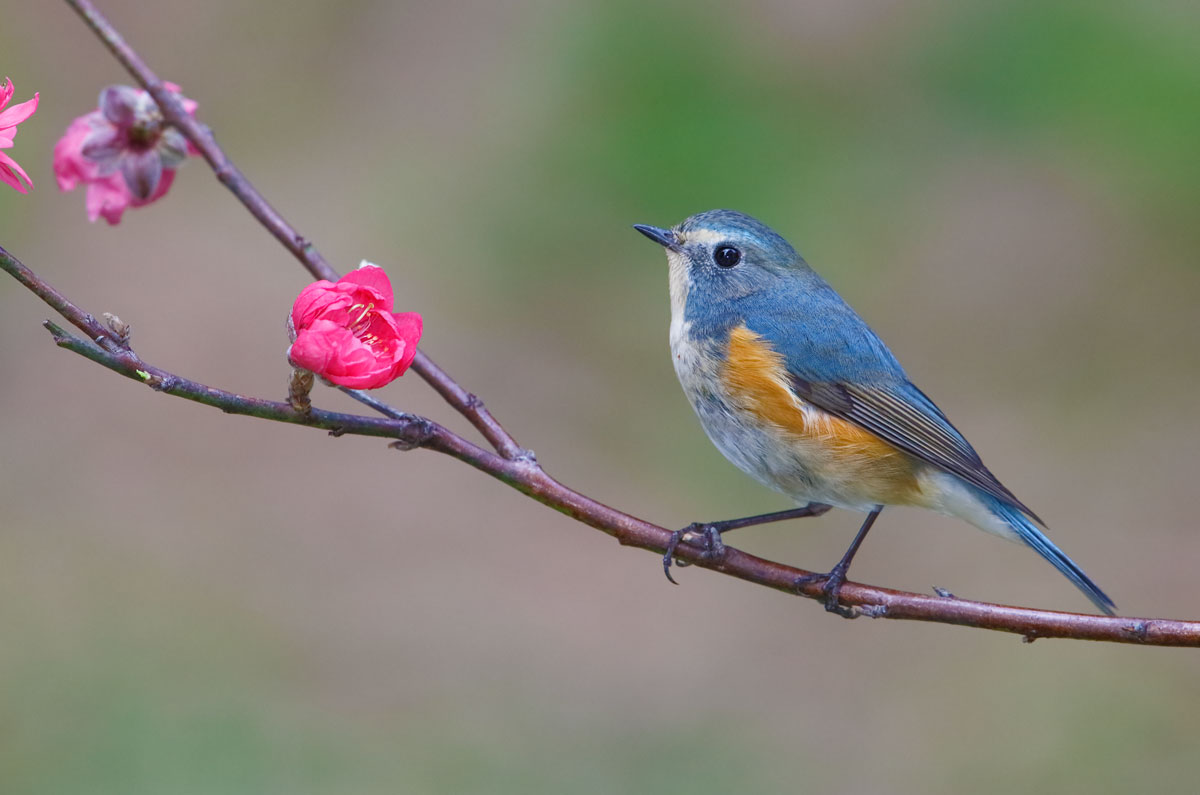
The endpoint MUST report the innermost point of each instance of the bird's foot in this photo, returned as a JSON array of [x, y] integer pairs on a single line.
[[831, 589], [714, 547]]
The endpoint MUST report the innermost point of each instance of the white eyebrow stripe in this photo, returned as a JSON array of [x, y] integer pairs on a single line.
[[706, 236]]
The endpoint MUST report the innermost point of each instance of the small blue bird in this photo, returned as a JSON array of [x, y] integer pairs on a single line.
[[800, 394]]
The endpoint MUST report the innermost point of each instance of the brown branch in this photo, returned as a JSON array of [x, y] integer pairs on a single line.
[[469, 406], [513, 465]]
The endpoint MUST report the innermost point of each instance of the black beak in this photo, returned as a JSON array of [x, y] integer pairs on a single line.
[[664, 237]]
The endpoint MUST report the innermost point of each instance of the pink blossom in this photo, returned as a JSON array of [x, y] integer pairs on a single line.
[[123, 151], [11, 172], [347, 333]]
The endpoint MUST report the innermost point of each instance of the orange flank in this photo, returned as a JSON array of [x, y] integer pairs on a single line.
[[755, 377]]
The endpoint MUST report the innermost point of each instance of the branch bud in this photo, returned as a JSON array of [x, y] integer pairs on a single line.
[[300, 383]]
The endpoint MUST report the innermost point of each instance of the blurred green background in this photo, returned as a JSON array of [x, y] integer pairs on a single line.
[[193, 603]]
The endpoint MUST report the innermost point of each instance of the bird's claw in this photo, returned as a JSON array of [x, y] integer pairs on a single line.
[[669, 555], [831, 590], [714, 547]]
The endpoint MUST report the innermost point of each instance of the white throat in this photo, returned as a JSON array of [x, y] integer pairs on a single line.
[[679, 284]]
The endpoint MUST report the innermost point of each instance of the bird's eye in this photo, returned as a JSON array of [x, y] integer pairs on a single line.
[[727, 256]]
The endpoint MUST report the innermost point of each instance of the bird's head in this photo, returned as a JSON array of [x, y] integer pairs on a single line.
[[720, 256]]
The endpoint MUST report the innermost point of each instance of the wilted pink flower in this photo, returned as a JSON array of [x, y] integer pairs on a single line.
[[10, 172], [347, 333], [123, 151]]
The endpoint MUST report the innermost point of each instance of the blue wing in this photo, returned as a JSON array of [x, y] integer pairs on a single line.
[[913, 424], [837, 363]]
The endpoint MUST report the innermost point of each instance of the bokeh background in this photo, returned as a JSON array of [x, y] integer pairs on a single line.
[[194, 603]]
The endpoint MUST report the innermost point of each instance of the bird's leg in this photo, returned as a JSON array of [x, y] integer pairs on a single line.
[[711, 531], [837, 575]]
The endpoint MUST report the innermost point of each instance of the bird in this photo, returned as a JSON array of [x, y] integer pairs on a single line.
[[798, 392]]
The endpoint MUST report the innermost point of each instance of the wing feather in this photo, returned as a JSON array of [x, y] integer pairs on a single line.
[[918, 428]]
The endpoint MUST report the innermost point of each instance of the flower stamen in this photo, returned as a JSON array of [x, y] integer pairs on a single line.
[[357, 326]]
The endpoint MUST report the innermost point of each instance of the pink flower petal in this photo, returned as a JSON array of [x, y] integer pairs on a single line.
[[119, 104], [70, 166], [315, 348], [164, 185], [375, 279], [103, 143], [142, 171], [19, 113], [409, 326], [312, 301], [11, 174], [107, 197]]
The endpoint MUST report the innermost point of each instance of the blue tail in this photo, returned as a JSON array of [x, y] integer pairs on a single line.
[[1044, 547]]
